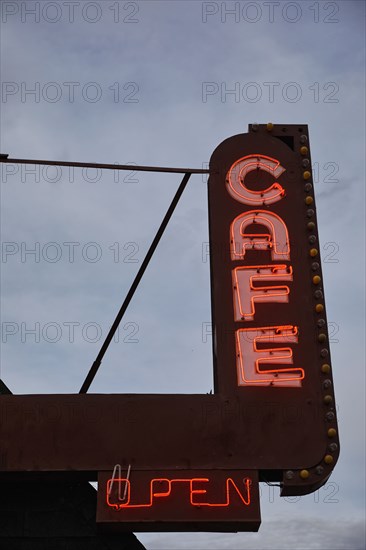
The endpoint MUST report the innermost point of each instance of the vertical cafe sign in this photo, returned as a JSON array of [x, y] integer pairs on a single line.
[[270, 338]]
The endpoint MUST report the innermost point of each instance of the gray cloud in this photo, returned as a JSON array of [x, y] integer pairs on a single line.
[[303, 534]]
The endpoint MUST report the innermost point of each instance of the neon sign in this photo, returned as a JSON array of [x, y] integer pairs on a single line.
[[161, 488], [269, 328], [246, 289], [176, 500], [273, 406]]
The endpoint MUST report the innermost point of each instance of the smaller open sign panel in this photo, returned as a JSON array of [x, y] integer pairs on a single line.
[[179, 500]]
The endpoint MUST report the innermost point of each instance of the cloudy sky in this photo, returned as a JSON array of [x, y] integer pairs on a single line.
[[163, 83]]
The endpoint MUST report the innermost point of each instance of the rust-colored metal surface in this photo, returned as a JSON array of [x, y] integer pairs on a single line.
[[94, 432], [184, 500]]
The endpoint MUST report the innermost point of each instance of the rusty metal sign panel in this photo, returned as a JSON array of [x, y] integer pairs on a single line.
[[270, 329], [195, 461], [179, 500]]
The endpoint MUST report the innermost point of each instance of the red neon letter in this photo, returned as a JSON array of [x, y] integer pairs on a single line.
[[235, 180], [250, 358], [277, 240], [245, 293], [244, 497]]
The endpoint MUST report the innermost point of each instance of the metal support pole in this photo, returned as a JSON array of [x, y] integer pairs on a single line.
[[5, 159]]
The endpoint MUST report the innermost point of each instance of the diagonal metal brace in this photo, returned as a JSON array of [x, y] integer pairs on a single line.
[[95, 366]]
